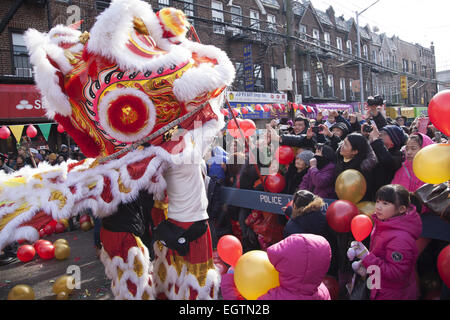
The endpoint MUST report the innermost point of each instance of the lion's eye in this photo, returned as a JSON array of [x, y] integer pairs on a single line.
[[127, 115]]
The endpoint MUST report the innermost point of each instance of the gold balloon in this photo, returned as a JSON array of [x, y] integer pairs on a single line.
[[61, 284], [432, 164], [366, 207], [254, 275], [60, 241], [64, 222], [86, 226], [351, 185], [62, 251], [21, 292], [63, 295]]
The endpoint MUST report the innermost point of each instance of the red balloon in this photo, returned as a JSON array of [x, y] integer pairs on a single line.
[[233, 129], [46, 251], [308, 109], [31, 131], [439, 111], [244, 110], [59, 228], [443, 264], [85, 218], [284, 155], [60, 128], [361, 227], [340, 214], [332, 286], [229, 249], [49, 229], [4, 132], [258, 107], [42, 233], [275, 183], [40, 242], [235, 112], [248, 127], [266, 108], [225, 112], [26, 253], [277, 107]]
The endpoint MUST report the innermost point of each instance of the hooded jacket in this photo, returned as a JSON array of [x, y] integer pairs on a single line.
[[320, 182], [219, 158], [311, 220], [302, 261], [393, 249], [405, 175]]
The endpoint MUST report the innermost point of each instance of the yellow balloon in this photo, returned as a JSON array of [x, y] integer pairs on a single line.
[[86, 226], [63, 283], [367, 208], [65, 222], [60, 241], [351, 185], [254, 275], [62, 251], [432, 164], [63, 295], [21, 292]]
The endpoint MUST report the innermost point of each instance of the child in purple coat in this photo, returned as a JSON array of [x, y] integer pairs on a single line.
[[321, 174], [302, 261], [393, 249]]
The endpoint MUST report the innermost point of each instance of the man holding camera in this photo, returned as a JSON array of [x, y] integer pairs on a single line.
[[386, 141]]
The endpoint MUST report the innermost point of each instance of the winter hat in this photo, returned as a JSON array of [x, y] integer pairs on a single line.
[[306, 156], [396, 134], [328, 153], [342, 126]]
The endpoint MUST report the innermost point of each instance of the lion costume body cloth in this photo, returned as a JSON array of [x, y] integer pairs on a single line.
[[143, 104]]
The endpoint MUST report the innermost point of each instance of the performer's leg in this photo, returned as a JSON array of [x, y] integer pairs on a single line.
[[190, 277], [127, 264]]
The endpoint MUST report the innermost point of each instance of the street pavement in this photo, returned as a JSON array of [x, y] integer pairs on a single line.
[[40, 274]]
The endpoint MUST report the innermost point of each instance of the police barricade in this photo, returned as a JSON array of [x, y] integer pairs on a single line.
[[433, 227]]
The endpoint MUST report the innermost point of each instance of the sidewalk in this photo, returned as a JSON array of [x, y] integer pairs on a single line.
[[40, 274]]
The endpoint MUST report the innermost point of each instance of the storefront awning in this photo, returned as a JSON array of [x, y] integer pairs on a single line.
[[20, 101]]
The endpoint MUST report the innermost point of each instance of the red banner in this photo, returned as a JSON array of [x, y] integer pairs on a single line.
[[20, 101]]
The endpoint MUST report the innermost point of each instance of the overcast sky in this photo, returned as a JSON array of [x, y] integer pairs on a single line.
[[415, 21]]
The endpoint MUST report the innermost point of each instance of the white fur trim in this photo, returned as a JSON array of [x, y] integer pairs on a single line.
[[47, 81], [104, 119], [119, 287], [184, 280], [112, 30]]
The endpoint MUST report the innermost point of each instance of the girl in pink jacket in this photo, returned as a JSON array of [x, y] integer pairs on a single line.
[[302, 261], [397, 226], [405, 175]]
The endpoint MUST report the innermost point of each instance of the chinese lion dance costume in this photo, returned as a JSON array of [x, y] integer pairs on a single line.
[[143, 104]]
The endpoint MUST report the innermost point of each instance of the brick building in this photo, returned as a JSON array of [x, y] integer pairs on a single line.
[[326, 63]]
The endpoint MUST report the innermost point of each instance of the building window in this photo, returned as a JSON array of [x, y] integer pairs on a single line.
[[405, 65], [271, 23], [424, 71], [258, 78], [339, 47], [236, 19], [239, 81], [188, 9], [365, 52], [217, 16], [382, 58], [330, 82], [342, 88], [316, 36], [273, 79], [163, 3], [352, 93], [349, 46], [306, 84], [374, 56], [319, 82], [254, 24], [327, 39], [302, 32], [413, 67], [22, 63]]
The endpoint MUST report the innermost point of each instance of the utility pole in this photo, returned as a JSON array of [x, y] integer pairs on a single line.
[[290, 55], [361, 82]]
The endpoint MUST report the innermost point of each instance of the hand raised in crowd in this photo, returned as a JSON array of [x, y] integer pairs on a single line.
[[326, 131], [375, 134], [313, 163], [319, 117], [353, 118], [345, 114], [310, 133]]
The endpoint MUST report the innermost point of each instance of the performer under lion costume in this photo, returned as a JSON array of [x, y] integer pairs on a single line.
[[143, 103]]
